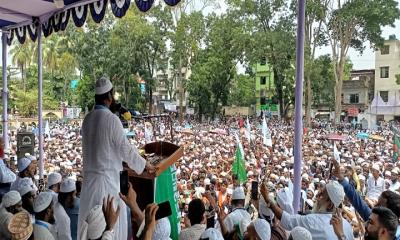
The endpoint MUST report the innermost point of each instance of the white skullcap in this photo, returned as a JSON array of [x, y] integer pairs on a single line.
[[361, 177], [263, 229], [335, 192], [94, 224], [376, 167], [23, 163], [244, 223], [68, 185], [24, 186], [103, 85], [387, 173], [6, 175], [10, 199], [238, 194], [207, 181], [42, 201], [53, 178], [300, 233], [212, 234]]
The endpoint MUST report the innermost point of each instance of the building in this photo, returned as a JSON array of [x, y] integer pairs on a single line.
[[265, 88], [386, 103], [357, 93]]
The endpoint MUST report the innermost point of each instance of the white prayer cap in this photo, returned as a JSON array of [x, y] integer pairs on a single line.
[[24, 186], [300, 233], [207, 181], [361, 177], [68, 185], [212, 234], [238, 194], [103, 85], [335, 192], [6, 175], [10, 199], [375, 167], [53, 178], [23, 163], [42, 201], [94, 224], [395, 171], [387, 173], [263, 229]]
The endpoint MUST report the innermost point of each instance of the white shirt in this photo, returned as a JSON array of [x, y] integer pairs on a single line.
[[375, 187], [42, 231], [104, 147], [15, 185], [235, 218], [192, 233], [6, 175], [318, 225], [394, 186], [5, 218]]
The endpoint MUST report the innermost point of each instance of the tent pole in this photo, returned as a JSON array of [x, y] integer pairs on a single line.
[[298, 125], [40, 97], [5, 90]]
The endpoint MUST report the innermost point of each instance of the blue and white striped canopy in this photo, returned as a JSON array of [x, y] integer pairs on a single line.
[[21, 17]]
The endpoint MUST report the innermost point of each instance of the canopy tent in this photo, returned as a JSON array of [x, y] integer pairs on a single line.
[[34, 18], [22, 18]]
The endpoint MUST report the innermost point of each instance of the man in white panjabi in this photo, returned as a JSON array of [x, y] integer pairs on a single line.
[[105, 147]]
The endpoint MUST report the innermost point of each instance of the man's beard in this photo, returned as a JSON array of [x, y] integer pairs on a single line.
[[371, 236], [319, 208]]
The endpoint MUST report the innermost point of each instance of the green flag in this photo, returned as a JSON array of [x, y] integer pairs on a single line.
[[238, 167], [166, 190], [396, 148]]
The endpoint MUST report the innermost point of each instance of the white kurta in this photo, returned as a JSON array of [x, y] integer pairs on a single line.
[[15, 185], [375, 187], [105, 147], [5, 218], [42, 232], [235, 218], [318, 225]]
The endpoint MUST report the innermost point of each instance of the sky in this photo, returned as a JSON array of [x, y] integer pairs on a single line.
[[366, 60]]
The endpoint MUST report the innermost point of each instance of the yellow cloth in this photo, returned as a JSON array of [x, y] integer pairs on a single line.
[[357, 180], [127, 116]]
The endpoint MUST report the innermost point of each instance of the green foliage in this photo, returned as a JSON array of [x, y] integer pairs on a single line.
[[242, 92]]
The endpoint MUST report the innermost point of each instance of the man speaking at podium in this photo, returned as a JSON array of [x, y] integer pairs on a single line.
[[105, 147]]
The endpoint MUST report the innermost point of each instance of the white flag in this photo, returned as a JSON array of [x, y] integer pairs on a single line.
[[266, 134], [336, 153], [248, 130], [238, 143], [47, 130]]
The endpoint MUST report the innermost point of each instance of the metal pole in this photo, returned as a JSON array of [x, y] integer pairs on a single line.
[[180, 92], [4, 93], [298, 125], [40, 97]]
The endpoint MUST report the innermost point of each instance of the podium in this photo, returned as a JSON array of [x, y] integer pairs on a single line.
[[144, 184]]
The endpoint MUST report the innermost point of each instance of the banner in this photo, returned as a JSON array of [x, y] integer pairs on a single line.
[[166, 190]]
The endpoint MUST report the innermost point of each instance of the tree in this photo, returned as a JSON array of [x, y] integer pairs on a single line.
[[350, 23], [215, 66], [270, 27], [21, 57], [314, 37], [242, 91]]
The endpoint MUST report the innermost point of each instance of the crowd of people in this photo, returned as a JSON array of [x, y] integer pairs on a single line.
[[349, 187]]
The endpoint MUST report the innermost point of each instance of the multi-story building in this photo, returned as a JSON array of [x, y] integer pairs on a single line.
[[386, 103], [265, 88], [357, 93]]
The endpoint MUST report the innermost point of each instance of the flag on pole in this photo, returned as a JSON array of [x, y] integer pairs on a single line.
[[336, 153], [266, 134], [396, 148], [47, 129], [248, 130], [238, 143], [238, 166]]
